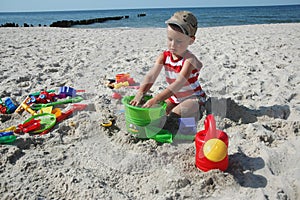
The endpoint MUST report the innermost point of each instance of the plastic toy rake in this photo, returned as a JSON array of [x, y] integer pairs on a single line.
[[47, 121], [71, 100], [75, 107]]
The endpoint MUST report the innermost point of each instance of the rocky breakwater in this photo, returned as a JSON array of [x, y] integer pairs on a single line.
[[70, 23]]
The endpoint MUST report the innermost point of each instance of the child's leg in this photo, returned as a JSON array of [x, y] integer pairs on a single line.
[[170, 106], [172, 123], [189, 108]]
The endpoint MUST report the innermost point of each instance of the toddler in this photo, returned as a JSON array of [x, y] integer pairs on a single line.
[[183, 95]]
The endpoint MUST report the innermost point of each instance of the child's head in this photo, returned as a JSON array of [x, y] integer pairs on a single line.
[[182, 27], [186, 21]]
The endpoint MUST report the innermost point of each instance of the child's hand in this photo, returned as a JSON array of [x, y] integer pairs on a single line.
[[150, 103], [137, 99]]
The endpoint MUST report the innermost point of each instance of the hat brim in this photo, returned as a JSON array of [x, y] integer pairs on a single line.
[[179, 25]]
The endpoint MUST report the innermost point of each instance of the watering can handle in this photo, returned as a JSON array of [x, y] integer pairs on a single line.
[[210, 126]]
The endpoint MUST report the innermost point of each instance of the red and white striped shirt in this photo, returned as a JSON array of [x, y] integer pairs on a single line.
[[191, 87]]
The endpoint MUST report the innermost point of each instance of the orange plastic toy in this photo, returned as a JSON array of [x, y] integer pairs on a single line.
[[120, 78]]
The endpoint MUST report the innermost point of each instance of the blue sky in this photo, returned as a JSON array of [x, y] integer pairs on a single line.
[[54, 5]]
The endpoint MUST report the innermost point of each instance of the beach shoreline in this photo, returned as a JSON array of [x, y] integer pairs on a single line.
[[253, 70]]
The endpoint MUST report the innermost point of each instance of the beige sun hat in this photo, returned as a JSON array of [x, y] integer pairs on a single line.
[[186, 21]]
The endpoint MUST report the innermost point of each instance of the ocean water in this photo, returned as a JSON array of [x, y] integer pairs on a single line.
[[207, 17]]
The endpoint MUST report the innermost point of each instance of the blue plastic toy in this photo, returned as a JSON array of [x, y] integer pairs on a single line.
[[2, 134], [67, 91], [11, 107]]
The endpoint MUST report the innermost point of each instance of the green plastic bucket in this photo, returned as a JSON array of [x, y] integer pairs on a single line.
[[135, 130], [143, 116]]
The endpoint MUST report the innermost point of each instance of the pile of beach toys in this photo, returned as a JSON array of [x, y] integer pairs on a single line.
[[44, 108]]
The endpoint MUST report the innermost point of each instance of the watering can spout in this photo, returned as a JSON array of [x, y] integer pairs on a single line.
[[210, 126]]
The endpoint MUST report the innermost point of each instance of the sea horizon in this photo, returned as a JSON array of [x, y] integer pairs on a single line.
[[109, 9], [155, 17]]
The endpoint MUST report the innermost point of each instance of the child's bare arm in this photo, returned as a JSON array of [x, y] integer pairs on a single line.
[[149, 80], [175, 86]]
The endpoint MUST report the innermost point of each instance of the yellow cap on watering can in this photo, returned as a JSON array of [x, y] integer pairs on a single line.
[[215, 150]]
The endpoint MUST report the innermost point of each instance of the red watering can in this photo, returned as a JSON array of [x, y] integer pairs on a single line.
[[211, 147]]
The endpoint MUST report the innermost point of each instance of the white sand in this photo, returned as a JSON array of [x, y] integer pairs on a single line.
[[252, 70]]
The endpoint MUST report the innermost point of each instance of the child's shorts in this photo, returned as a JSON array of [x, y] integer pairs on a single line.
[[175, 100]]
